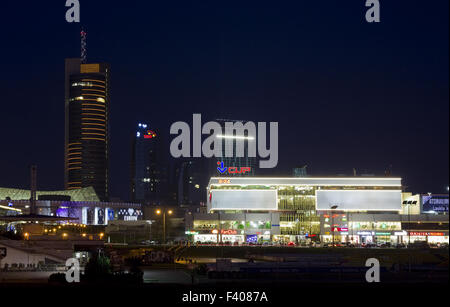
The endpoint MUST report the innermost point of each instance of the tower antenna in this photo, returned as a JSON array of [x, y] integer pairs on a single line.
[[83, 46]]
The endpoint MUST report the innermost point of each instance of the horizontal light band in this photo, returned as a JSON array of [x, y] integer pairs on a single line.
[[95, 139], [92, 133], [93, 114], [237, 137], [94, 80]]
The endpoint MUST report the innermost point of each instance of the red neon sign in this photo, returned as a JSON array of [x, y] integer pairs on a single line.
[[421, 233], [228, 232], [241, 170], [150, 134]]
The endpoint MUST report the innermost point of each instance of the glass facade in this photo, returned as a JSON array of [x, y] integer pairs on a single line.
[[87, 133], [148, 170]]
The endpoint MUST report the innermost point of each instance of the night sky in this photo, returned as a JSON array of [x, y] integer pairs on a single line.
[[347, 94]]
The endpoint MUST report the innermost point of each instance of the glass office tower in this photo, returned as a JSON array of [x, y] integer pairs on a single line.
[[86, 126], [149, 180]]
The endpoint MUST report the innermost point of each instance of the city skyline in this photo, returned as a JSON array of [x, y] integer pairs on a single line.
[[358, 106]]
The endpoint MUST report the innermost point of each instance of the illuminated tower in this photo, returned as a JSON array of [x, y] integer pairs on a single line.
[[86, 126]]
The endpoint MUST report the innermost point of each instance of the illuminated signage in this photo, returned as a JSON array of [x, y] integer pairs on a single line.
[[150, 134], [340, 229], [228, 232], [421, 233], [232, 169], [191, 232], [365, 233], [400, 233], [436, 203], [252, 238], [224, 181], [225, 231], [383, 233]]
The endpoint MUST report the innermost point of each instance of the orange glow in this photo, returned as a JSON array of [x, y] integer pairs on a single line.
[[94, 105], [93, 139], [87, 118], [94, 124], [93, 114], [92, 100], [89, 109], [91, 89], [93, 133], [94, 80], [89, 128], [96, 95]]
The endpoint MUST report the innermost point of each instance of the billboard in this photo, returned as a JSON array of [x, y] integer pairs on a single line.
[[435, 203], [359, 200], [243, 200]]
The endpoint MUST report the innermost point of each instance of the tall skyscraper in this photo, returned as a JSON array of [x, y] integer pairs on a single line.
[[149, 171], [86, 126]]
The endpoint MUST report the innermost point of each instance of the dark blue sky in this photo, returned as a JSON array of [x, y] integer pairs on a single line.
[[347, 94]]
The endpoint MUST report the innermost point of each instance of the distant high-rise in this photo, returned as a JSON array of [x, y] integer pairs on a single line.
[[149, 179], [192, 181], [86, 126]]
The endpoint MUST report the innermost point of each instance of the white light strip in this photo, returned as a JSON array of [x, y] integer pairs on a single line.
[[238, 137], [10, 208], [313, 178]]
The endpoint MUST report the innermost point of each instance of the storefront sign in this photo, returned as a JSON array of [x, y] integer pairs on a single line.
[[228, 232], [421, 233], [191, 232], [400, 233], [365, 233], [340, 229], [435, 203], [252, 238], [382, 233]]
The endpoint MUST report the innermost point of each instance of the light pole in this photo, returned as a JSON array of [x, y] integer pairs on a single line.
[[332, 223], [163, 212]]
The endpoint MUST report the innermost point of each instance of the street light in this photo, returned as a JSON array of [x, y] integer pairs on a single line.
[[332, 222], [163, 212]]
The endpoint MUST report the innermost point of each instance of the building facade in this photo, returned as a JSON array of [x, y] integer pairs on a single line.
[[352, 210], [87, 102], [84, 205]]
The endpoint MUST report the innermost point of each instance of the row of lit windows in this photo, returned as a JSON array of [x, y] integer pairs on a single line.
[[99, 99], [82, 84]]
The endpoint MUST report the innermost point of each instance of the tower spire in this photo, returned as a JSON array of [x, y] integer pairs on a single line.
[[83, 46]]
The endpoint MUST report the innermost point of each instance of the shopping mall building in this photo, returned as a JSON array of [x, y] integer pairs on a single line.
[[301, 209], [83, 205]]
